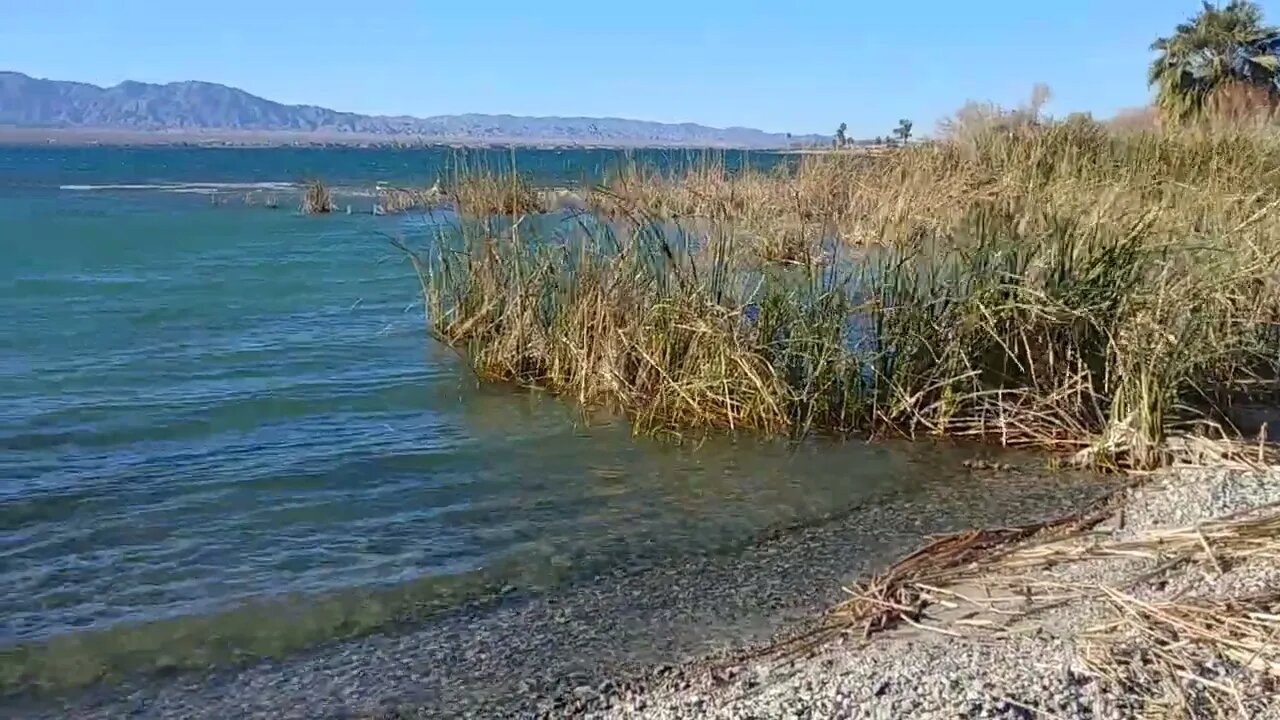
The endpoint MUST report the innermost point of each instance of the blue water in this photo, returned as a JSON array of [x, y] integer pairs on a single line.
[[40, 168], [205, 405]]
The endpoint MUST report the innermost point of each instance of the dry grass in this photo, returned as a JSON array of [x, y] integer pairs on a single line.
[[483, 194], [1007, 558], [393, 200], [1190, 659], [316, 198], [906, 590], [1042, 284], [1195, 180], [603, 338], [1202, 657]]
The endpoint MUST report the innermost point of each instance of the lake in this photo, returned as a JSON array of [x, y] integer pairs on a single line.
[[213, 413]]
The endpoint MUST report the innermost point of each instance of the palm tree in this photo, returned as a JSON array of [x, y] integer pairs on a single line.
[[904, 130], [1222, 46], [841, 139]]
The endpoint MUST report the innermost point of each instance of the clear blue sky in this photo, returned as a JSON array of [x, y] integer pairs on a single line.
[[796, 65]]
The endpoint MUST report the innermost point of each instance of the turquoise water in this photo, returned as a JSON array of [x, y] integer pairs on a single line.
[[205, 407], [40, 168]]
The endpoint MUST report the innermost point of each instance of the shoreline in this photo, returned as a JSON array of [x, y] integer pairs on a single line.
[[747, 634], [247, 139], [1105, 641], [571, 651]]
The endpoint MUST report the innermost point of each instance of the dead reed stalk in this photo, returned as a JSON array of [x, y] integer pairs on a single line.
[[1053, 286], [1215, 657], [1206, 658], [316, 198], [483, 194], [394, 200]]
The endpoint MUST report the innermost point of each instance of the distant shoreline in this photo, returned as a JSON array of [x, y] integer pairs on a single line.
[[111, 137]]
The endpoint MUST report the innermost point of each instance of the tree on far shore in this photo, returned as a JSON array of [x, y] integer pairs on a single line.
[[903, 130], [841, 138], [1224, 51]]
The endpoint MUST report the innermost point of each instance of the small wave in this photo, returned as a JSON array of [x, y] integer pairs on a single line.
[[201, 190], [184, 187], [242, 185], [84, 188]]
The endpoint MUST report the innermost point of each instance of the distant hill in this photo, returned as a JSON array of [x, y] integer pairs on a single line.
[[197, 108]]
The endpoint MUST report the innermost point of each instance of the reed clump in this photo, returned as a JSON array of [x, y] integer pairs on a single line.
[[484, 193], [1199, 179], [1055, 286], [316, 198], [394, 200]]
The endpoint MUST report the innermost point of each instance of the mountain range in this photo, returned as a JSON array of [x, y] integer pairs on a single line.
[[186, 110]]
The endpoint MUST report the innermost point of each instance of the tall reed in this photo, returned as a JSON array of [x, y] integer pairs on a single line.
[[316, 198], [479, 193], [404, 199], [1054, 286]]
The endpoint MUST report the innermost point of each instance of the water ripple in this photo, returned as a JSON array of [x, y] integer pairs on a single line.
[[205, 407]]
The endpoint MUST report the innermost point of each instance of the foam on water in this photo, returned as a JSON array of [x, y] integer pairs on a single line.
[[186, 187]]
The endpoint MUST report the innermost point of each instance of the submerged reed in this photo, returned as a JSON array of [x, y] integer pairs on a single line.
[[316, 198], [393, 200], [483, 193], [1059, 287]]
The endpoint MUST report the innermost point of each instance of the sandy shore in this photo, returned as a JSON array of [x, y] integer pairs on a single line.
[[1146, 616]]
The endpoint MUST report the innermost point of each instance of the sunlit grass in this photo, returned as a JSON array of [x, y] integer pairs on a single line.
[[1057, 286], [316, 198]]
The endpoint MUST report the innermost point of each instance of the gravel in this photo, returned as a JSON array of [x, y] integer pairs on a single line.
[[586, 649], [688, 640], [925, 675]]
